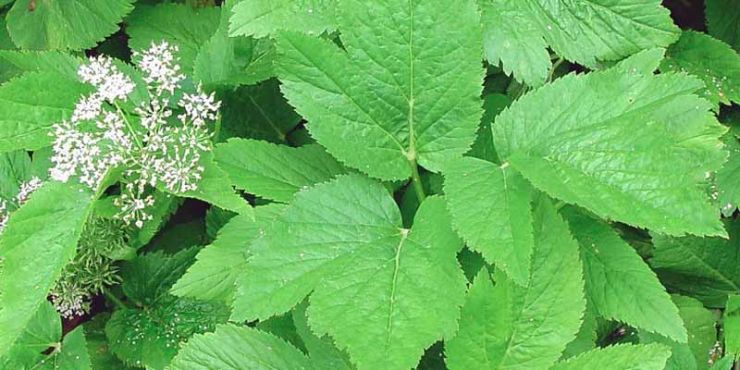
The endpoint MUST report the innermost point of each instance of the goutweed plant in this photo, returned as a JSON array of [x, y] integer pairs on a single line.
[[369, 184]]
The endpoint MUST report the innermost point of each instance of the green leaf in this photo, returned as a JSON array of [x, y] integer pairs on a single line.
[[619, 357], [512, 37], [64, 24], [214, 273], [237, 348], [150, 276], [15, 168], [723, 21], [383, 105], [258, 112], [324, 354], [517, 33], [701, 326], [483, 148], [705, 268], [215, 188], [31, 104], [275, 172], [490, 208], [626, 145], [617, 278], [709, 59], [344, 237], [232, 61], [732, 326], [727, 178], [508, 326], [39, 239], [97, 345], [182, 25], [42, 332], [17, 62], [151, 336], [259, 18]]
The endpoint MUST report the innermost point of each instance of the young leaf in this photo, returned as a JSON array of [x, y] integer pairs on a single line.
[[705, 268], [383, 105], [275, 172], [518, 32], [619, 357], [214, 273], [151, 336], [232, 61], [64, 24], [627, 146], [259, 18], [179, 24], [508, 326], [701, 326], [709, 59], [490, 208], [344, 237], [31, 104], [232, 347], [39, 239], [617, 278], [723, 21]]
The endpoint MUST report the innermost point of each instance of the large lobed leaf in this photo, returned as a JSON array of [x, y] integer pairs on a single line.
[[518, 32], [624, 143], [261, 18], [406, 90], [371, 279], [39, 240], [508, 326]]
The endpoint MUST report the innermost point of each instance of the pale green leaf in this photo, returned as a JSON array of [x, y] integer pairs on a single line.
[[39, 239], [723, 20], [517, 32], [259, 18], [215, 188], [214, 273], [490, 208], [405, 90], [31, 104], [371, 279], [151, 336], [508, 326], [324, 354], [232, 347], [275, 172], [64, 24], [705, 268], [16, 62], [619, 357], [702, 336], [43, 331], [232, 61], [619, 284], [626, 145], [15, 168], [713, 61], [181, 25]]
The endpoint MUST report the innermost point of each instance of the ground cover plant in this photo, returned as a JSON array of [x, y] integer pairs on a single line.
[[369, 184]]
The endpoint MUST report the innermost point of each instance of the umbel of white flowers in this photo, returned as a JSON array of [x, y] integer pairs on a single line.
[[152, 146]]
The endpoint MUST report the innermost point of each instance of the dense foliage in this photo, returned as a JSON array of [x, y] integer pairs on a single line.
[[369, 184]]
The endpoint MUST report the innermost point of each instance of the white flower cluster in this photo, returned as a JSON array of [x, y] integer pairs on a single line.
[[24, 191], [151, 145]]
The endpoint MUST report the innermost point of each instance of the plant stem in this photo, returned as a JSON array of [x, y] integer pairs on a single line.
[[128, 125], [416, 181], [112, 298]]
